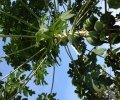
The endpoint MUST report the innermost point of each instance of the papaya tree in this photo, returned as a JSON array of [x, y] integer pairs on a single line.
[[36, 30]]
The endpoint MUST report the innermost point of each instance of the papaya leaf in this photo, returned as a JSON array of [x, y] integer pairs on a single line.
[[57, 26], [31, 92], [102, 37], [66, 15], [25, 92], [99, 51], [113, 37], [116, 50], [43, 28], [1, 28]]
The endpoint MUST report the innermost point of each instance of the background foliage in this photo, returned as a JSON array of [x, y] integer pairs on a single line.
[[37, 29]]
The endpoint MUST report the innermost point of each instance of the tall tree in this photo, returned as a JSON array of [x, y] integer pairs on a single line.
[[37, 29]]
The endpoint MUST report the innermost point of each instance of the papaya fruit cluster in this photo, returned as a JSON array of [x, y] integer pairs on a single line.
[[114, 4], [94, 28], [100, 30]]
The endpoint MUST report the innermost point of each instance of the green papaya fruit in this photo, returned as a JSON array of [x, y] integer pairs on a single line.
[[93, 34], [114, 4], [75, 38], [93, 19], [115, 29], [86, 27], [89, 23], [115, 38], [108, 19], [93, 39], [99, 26]]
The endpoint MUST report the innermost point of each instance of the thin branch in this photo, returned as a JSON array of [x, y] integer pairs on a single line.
[[29, 9], [66, 4], [17, 36], [64, 7], [49, 16], [33, 70], [95, 54], [48, 20], [20, 20], [68, 53], [82, 16], [46, 3], [55, 5], [19, 51], [29, 77], [29, 31], [53, 79], [32, 74], [55, 59], [5, 94], [75, 50], [23, 64], [70, 56], [83, 10], [80, 13], [108, 73], [105, 6]]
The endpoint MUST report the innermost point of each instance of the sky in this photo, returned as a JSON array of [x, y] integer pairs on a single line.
[[62, 85]]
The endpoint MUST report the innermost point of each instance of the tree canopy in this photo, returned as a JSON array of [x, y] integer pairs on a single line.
[[37, 29]]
